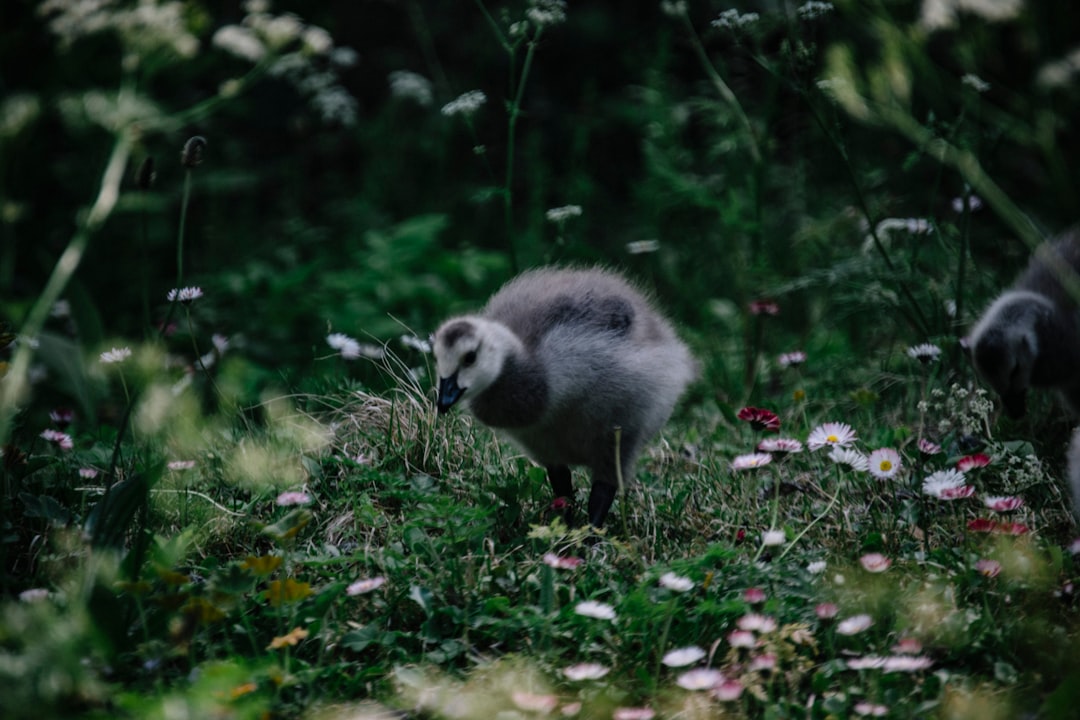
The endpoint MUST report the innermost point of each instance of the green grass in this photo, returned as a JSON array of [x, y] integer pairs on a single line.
[[156, 568]]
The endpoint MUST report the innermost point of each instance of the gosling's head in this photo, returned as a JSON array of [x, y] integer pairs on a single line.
[[1004, 347], [469, 356]]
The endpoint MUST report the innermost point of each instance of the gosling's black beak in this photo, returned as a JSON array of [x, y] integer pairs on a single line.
[[449, 393]]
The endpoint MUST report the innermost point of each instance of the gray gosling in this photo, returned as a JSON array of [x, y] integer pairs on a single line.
[[564, 361], [1030, 335]]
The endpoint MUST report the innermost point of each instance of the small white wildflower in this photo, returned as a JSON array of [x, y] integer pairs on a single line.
[[596, 610], [407, 85], [292, 497], [344, 57], [115, 355], [34, 595], [546, 12], [943, 483], [732, 19], [814, 9], [414, 343], [362, 587], [466, 104], [673, 8], [61, 439], [972, 202], [185, 295], [317, 40], [699, 679], [562, 214], [585, 671], [60, 309], [850, 457], [773, 537], [345, 345], [677, 583], [854, 624], [975, 82], [181, 464], [642, 247], [241, 42], [925, 353], [682, 657], [817, 567]]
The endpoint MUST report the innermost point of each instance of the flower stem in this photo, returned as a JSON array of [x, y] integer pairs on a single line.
[[15, 385]]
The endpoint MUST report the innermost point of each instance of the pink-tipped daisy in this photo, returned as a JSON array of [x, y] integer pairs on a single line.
[[562, 563], [115, 355], [869, 709], [754, 595], [633, 713], [826, 610], [741, 639], [185, 295], [854, 624], [788, 359], [60, 439], [830, 434], [585, 671], [942, 480], [884, 463], [906, 663], [728, 690], [699, 679], [987, 567], [927, 447], [760, 419], [971, 462], [291, 497], [756, 622], [751, 461], [1003, 503], [780, 446], [534, 702], [681, 657], [907, 646], [763, 663], [363, 587], [850, 457], [875, 562], [957, 493]]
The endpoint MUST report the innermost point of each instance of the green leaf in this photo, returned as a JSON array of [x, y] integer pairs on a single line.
[[422, 597], [45, 507]]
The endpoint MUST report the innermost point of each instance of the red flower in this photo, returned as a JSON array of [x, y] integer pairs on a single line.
[[972, 462], [760, 419], [559, 504], [982, 525]]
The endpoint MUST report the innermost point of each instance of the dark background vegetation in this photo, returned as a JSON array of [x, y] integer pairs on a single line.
[[297, 227]]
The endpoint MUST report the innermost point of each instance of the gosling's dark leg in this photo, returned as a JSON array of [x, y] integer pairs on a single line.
[[600, 499], [563, 490]]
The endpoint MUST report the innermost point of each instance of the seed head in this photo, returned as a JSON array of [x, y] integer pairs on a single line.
[[192, 154]]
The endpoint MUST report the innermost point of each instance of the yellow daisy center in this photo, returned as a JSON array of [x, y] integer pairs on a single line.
[[886, 466], [832, 439]]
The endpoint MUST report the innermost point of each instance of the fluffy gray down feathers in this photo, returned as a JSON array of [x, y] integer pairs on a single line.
[[559, 358], [1030, 337]]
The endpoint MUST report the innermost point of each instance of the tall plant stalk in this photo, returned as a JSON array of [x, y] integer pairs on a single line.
[[15, 384]]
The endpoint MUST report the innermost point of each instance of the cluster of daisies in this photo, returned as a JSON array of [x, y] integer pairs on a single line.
[[752, 644]]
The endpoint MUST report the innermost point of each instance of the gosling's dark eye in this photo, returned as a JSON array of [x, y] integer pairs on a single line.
[[468, 358]]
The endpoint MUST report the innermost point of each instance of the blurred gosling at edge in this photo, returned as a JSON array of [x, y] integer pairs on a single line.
[[1030, 337], [557, 360]]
